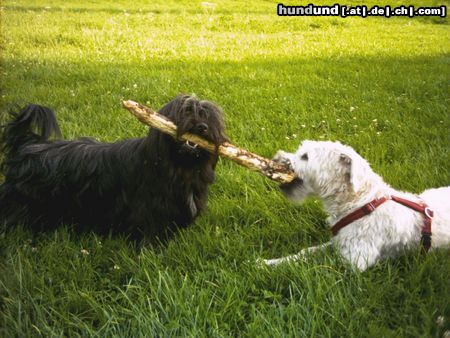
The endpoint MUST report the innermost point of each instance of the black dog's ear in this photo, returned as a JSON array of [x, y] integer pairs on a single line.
[[209, 174], [172, 109], [177, 111], [214, 159]]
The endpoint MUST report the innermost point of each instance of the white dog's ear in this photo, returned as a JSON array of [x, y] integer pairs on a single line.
[[356, 170]]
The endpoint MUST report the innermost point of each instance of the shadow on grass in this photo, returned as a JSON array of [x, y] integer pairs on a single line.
[[392, 110]]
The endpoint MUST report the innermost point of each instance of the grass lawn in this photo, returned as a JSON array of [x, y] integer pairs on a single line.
[[379, 85]]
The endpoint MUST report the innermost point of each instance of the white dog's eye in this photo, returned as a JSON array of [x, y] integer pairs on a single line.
[[304, 157]]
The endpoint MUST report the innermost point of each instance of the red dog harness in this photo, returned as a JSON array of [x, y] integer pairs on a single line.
[[371, 206]]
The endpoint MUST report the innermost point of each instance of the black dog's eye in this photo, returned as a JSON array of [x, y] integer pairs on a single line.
[[304, 157]]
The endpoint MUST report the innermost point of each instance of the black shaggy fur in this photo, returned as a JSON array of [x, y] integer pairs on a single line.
[[140, 187]]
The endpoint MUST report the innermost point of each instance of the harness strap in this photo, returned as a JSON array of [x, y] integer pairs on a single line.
[[371, 206], [366, 209], [428, 218]]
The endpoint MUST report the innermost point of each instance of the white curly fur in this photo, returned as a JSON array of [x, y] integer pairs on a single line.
[[344, 181]]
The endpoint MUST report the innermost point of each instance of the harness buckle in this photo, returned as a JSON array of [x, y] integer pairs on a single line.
[[429, 213], [368, 208]]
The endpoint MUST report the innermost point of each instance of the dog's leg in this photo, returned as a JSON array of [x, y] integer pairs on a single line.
[[361, 255], [296, 257]]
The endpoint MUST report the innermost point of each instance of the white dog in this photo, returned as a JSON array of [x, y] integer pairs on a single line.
[[369, 221]]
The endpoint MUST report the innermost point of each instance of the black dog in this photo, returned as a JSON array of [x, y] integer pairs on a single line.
[[141, 187]]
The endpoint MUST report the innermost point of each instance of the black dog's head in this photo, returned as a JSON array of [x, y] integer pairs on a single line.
[[195, 116]]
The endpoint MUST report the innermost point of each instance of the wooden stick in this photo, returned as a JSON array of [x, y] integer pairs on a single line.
[[254, 162]]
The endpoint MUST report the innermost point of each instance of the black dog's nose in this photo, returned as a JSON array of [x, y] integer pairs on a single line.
[[201, 128]]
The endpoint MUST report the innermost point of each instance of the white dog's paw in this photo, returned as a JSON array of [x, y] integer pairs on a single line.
[[261, 263], [282, 158], [292, 259]]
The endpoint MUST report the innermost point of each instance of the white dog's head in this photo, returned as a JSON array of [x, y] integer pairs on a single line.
[[326, 169]]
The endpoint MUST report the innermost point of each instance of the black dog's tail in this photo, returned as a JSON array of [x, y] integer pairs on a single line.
[[32, 124]]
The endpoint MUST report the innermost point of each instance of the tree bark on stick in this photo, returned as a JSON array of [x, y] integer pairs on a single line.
[[254, 162]]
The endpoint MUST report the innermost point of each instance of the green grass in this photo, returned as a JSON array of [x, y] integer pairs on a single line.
[[379, 85]]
